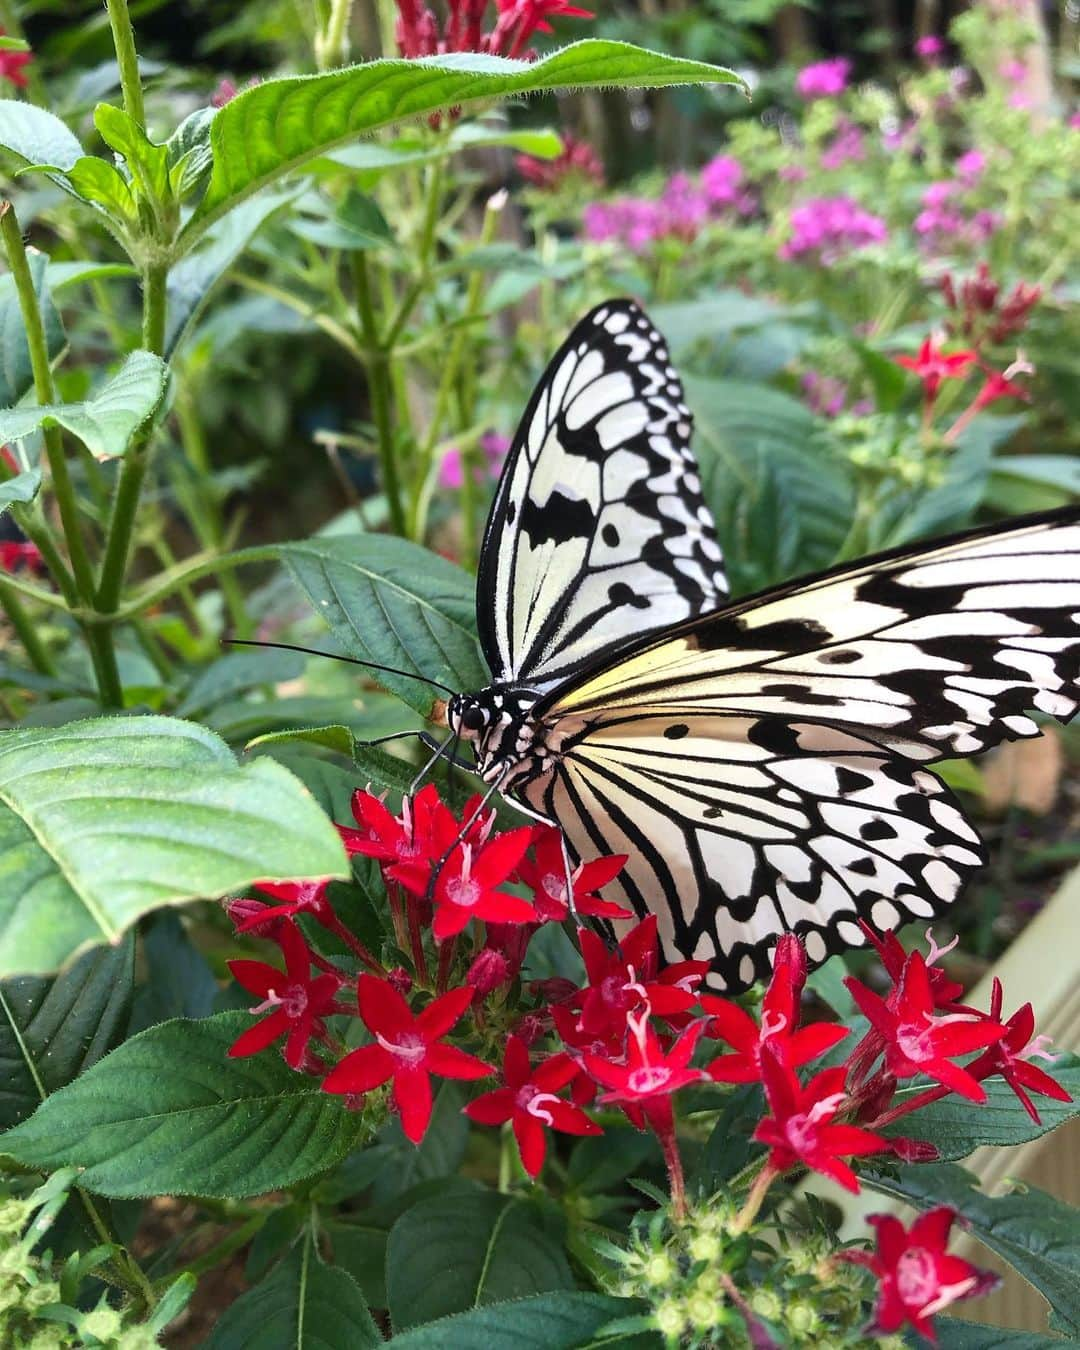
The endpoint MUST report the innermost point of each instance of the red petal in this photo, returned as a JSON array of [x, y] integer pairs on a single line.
[[871, 1005], [731, 1023], [502, 907], [531, 1142], [733, 1069], [638, 947], [412, 1093], [555, 1072], [450, 1062], [570, 1119], [516, 1062], [960, 1038], [438, 1017], [813, 1040], [498, 858], [360, 1070], [932, 1229], [956, 1079], [851, 1141], [297, 952], [383, 1009], [259, 1036], [594, 954], [493, 1108], [257, 977], [595, 875], [1039, 1081]]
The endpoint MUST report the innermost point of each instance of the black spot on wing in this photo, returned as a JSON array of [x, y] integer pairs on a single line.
[[559, 520]]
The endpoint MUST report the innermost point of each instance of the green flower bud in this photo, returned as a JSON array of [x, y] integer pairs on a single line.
[[103, 1324], [660, 1270], [670, 1318], [702, 1310], [41, 1295], [14, 1215], [705, 1247], [801, 1318], [766, 1303]]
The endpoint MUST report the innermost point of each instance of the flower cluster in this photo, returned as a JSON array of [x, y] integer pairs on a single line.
[[577, 162], [947, 219], [493, 448], [826, 229], [823, 79], [418, 31], [13, 65], [465, 900]]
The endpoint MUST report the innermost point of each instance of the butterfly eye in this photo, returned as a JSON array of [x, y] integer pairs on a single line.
[[473, 719]]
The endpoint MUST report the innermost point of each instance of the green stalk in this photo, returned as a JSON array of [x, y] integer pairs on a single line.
[[35, 649], [126, 57], [191, 570], [331, 46], [377, 363]]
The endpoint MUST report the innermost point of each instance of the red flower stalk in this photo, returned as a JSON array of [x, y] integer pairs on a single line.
[[528, 1100], [1010, 1056], [467, 885], [296, 1003], [779, 1022], [418, 33], [408, 1049], [801, 1128], [917, 1042], [917, 1277], [546, 878], [933, 365]]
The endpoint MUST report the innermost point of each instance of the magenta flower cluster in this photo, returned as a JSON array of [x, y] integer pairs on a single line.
[[946, 219], [823, 79], [686, 204], [824, 229]]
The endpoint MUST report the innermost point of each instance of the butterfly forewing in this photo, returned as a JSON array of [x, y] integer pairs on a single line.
[[598, 532]]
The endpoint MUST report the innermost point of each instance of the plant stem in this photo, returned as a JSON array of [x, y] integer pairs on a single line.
[[127, 59], [758, 1190], [377, 364], [222, 1250], [191, 570], [35, 649], [332, 46], [128, 1271]]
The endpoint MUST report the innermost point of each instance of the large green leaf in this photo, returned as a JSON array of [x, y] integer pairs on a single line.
[[236, 672], [179, 981], [36, 136], [16, 374], [957, 1130], [51, 1030], [955, 1334], [301, 1305], [105, 423], [452, 1253], [1038, 1235], [103, 820], [391, 601], [267, 131], [167, 1113], [562, 1321]]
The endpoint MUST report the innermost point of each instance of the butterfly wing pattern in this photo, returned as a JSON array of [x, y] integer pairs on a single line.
[[763, 765], [598, 531]]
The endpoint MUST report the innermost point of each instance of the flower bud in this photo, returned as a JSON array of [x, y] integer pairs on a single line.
[[488, 972], [659, 1270], [399, 980], [670, 1319], [245, 914], [914, 1150]]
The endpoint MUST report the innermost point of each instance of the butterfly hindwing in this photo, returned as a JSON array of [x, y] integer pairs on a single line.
[[598, 531]]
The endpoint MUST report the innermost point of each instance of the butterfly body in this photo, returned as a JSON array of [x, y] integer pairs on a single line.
[[761, 762]]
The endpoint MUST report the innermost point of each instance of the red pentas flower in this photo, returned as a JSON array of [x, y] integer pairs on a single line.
[[893, 957], [577, 160], [917, 1042], [16, 554], [467, 886], [1001, 384], [528, 1100], [801, 1128], [13, 64], [407, 845], [408, 1049], [1009, 1057], [296, 1003], [649, 1071], [296, 897], [419, 33], [779, 1029], [933, 365], [916, 1275], [545, 875]]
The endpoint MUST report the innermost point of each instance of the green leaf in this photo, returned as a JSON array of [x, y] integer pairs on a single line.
[[53, 1029], [37, 136], [957, 1130], [301, 1305], [148, 163], [168, 1114], [192, 280], [179, 982], [24, 487], [16, 373], [236, 672], [105, 423], [887, 379], [101, 821], [267, 131], [391, 601], [955, 1334], [403, 1165], [371, 160], [1038, 1235], [98, 181], [563, 1321], [357, 224], [452, 1253]]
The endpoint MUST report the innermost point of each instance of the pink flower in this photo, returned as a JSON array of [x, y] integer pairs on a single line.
[[825, 229], [295, 1002], [917, 1278], [969, 167], [720, 180], [846, 147], [930, 48], [1013, 71], [494, 448], [823, 79], [408, 1049], [530, 1103]]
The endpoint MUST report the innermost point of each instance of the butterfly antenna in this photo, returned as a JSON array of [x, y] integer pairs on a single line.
[[335, 656], [466, 826], [431, 763]]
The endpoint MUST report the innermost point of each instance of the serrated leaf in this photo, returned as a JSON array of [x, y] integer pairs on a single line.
[[301, 1305], [1037, 1234], [267, 131], [403, 1164], [452, 1253], [105, 423], [101, 821], [53, 1029], [179, 982], [563, 1321], [209, 1125], [391, 601], [955, 1334], [957, 1129], [16, 373], [148, 163]]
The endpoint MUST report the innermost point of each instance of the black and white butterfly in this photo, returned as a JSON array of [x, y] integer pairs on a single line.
[[762, 762]]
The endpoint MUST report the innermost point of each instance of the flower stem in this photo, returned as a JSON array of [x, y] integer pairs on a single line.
[[416, 939], [127, 59], [447, 952], [756, 1195], [904, 1108], [39, 655], [332, 45], [377, 364], [357, 948]]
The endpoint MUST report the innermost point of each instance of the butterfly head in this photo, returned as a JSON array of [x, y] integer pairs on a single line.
[[495, 721]]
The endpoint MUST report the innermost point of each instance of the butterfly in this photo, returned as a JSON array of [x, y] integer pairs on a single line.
[[762, 763]]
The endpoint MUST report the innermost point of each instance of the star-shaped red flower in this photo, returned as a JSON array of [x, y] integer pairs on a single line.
[[546, 878], [407, 845], [917, 1042], [528, 1100], [467, 886], [408, 1049], [916, 1275], [296, 1003], [1010, 1056], [801, 1128], [933, 365], [649, 1071]]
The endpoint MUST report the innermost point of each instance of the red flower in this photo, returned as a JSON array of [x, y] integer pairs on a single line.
[[779, 1022], [529, 1101], [546, 878], [916, 1276], [621, 981], [916, 1042], [298, 1002], [12, 65], [893, 957], [650, 1071], [576, 160], [1000, 384], [1010, 1055], [418, 33], [408, 1049], [467, 885], [933, 366], [519, 20], [297, 897], [800, 1128], [489, 971], [15, 554]]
